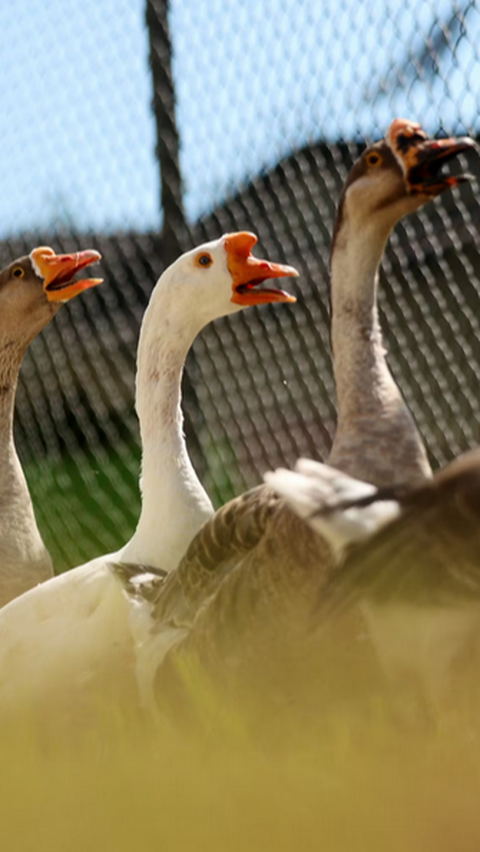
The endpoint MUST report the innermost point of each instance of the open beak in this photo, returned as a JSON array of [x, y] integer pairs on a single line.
[[424, 162], [58, 271], [249, 272]]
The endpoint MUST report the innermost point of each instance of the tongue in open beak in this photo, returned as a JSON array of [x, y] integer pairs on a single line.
[[58, 271], [422, 158], [424, 175], [248, 272]]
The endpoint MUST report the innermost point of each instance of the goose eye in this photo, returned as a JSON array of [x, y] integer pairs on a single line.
[[18, 272], [204, 260], [373, 159]]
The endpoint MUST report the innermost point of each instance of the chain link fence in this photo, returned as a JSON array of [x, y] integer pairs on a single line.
[[259, 111]]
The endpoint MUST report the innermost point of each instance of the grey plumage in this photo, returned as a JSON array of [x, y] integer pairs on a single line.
[[430, 555]]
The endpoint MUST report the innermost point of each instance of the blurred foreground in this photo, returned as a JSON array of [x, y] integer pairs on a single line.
[[359, 777]]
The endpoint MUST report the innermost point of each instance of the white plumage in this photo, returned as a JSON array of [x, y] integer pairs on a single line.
[[321, 495], [69, 643]]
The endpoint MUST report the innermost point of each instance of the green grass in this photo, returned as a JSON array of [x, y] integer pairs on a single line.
[[85, 504]]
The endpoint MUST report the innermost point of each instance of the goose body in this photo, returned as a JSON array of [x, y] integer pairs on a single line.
[[409, 560], [32, 289], [69, 635]]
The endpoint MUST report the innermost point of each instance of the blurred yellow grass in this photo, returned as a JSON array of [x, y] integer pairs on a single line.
[[352, 782]]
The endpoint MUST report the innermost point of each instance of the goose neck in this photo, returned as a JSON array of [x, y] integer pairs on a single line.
[[10, 361], [376, 438], [24, 559], [174, 503], [360, 367]]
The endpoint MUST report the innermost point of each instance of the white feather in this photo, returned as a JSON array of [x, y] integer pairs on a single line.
[[313, 490]]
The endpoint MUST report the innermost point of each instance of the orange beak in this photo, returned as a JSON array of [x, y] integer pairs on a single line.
[[58, 270], [248, 272]]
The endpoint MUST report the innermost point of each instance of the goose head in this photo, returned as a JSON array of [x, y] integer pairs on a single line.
[[219, 278], [33, 287], [398, 175]]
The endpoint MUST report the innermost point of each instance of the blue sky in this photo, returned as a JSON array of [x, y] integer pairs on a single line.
[[255, 79]]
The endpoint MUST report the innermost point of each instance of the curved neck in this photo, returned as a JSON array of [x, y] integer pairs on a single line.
[[174, 503], [24, 559], [376, 437]]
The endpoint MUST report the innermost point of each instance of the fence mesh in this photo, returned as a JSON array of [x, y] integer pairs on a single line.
[[267, 130]]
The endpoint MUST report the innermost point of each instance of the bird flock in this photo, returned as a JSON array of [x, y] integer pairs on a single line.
[[359, 574]]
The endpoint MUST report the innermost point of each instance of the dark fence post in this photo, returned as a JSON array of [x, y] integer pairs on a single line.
[[176, 236]]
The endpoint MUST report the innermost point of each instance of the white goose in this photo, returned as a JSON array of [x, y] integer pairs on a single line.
[[31, 291], [62, 639]]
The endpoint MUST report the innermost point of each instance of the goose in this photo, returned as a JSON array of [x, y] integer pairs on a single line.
[[32, 288], [409, 559], [72, 634], [376, 439], [404, 585]]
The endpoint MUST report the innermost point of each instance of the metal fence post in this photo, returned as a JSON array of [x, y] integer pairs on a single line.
[[175, 233]]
